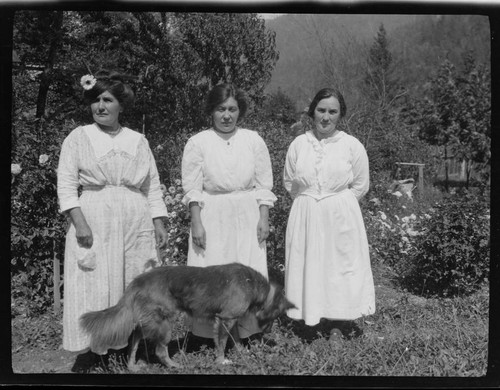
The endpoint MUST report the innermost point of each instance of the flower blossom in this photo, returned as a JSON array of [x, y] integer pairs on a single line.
[[177, 182], [43, 159], [171, 190], [412, 232], [15, 169], [87, 82]]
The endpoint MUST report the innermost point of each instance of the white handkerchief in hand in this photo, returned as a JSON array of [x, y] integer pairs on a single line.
[[86, 257]]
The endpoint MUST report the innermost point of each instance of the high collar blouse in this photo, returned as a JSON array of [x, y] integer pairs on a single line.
[[324, 168], [214, 165]]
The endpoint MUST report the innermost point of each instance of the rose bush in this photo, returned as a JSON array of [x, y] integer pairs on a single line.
[[37, 228]]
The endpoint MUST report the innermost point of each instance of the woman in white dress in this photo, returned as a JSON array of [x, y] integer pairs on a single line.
[[227, 180], [116, 223], [328, 273]]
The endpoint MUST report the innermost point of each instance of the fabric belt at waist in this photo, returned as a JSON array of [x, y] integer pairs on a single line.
[[109, 187], [322, 195], [235, 192]]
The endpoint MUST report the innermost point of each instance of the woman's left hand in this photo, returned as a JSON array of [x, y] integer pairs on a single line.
[[161, 233], [262, 229]]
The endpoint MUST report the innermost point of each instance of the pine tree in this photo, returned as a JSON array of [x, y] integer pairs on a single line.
[[379, 81]]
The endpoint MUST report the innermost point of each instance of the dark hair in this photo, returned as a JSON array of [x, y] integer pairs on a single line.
[[326, 93], [114, 83], [221, 93]]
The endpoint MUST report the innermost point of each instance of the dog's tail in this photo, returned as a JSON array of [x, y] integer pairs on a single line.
[[110, 328]]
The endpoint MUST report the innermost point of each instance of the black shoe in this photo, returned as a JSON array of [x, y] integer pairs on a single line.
[[193, 343], [254, 338], [341, 329], [86, 362], [350, 330]]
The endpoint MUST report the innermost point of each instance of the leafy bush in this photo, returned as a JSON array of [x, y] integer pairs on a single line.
[[276, 136], [391, 223], [34, 333], [452, 256], [177, 225], [37, 228]]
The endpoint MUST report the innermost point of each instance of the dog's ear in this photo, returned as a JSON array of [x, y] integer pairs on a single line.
[[283, 303], [277, 296], [287, 304], [270, 295]]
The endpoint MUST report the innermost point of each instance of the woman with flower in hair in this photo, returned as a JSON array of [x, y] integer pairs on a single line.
[[116, 224], [328, 272], [227, 180]]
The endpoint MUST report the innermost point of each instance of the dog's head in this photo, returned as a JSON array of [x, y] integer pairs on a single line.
[[275, 305]]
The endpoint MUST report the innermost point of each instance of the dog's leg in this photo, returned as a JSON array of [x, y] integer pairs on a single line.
[[135, 338], [222, 328], [162, 345], [235, 334]]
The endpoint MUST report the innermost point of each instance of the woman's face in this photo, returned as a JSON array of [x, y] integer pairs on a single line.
[[226, 115], [106, 110], [326, 115]]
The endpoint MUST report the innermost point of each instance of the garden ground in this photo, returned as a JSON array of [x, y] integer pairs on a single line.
[[408, 336]]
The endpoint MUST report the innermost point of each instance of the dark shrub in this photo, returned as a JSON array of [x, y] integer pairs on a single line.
[[452, 256]]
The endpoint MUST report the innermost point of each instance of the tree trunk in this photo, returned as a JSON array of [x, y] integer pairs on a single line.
[[468, 171], [45, 77], [57, 282]]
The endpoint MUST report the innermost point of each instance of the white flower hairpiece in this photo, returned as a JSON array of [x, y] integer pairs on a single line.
[[88, 81]]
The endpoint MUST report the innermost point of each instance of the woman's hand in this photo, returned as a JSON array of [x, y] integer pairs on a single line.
[[83, 234], [198, 233], [161, 233], [263, 224]]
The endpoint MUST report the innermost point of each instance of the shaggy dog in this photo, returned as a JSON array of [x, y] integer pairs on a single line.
[[223, 293]]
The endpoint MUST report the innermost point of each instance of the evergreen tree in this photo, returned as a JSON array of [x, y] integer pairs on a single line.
[[456, 113], [378, 80]]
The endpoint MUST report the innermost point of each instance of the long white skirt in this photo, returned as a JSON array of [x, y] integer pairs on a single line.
[[328, 272], [125, 246], [230, 221]]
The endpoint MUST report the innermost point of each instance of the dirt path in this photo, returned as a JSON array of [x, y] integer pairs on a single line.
[[29, 361]]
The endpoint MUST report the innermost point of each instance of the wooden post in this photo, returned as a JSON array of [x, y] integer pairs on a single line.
[[57, 282], [421, 179], [420, 174]]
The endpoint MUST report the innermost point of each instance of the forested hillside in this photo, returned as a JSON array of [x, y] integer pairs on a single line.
[[318, 49]]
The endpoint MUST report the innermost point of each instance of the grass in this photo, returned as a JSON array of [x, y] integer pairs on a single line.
[[407, 336]]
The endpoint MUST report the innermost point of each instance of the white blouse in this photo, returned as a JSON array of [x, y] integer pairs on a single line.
[[90, 157], [324, 168], [214, 165]]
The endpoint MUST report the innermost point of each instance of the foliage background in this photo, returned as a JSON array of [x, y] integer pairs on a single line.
[[404, 77], [174, 58]]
